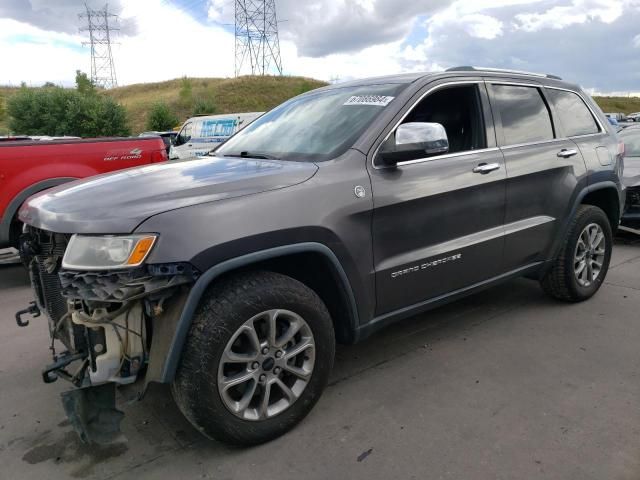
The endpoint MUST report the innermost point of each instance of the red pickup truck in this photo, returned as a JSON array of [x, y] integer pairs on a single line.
[[28, 167]]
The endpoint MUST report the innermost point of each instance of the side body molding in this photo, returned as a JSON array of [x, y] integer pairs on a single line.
[[195, 294]]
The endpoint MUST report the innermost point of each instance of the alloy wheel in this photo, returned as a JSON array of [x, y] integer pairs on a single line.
[[589, 254], [266, 365]]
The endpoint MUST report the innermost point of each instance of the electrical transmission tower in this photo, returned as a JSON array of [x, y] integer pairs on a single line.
[[257, 43], [100, 24]]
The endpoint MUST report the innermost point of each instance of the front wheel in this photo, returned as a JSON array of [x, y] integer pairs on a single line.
[[257, 358], [580, 268]]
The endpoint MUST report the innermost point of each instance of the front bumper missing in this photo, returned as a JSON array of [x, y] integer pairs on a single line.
[[93, 414]]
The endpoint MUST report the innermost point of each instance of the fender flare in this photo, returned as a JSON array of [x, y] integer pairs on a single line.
[[557, 245], [11, 210], [174, 351]]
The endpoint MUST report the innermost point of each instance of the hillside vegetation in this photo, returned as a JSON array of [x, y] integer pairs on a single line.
[[184, 96], [220, 95]]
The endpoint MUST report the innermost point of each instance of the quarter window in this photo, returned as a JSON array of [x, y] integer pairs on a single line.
[[524, 114], [574, 115]]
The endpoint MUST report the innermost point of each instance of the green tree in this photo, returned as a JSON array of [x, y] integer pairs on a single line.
[[83, 84], [161, 117], [60, 111]]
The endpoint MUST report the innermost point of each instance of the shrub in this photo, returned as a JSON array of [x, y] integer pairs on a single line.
[[59, 111], [204, 106], [161, 117]]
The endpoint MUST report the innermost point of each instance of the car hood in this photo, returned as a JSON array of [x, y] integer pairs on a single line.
[[119, 202]]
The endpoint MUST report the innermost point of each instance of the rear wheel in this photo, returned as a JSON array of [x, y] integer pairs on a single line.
[[580, 268], [257, 358]]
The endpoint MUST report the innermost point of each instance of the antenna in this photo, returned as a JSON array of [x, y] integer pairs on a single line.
[[99, 25], [257, 43]]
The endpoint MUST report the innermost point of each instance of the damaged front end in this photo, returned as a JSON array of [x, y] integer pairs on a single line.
[[112, 323]]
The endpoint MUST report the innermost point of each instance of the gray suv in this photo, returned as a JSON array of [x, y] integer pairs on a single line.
[[339, 212]]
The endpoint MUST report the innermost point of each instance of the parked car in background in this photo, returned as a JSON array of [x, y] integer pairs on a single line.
[[620, 117], [30, 166], [631, 138], [167, 137], [634, 117], [339, 212], [199, 135], [613, 121]]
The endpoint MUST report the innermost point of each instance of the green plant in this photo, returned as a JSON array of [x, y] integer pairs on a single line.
[[186, 92], [204, 106], [161, 117], [83, 84], [59, 111]]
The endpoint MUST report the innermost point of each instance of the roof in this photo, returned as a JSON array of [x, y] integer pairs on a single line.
[[406, 78]]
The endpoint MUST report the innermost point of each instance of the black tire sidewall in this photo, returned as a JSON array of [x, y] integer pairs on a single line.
[[591, 215], [215, 321]]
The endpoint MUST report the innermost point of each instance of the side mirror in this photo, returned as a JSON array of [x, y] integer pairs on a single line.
[[412, 141]]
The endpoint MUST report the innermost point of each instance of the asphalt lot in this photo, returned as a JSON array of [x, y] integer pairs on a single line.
[[504, 384]]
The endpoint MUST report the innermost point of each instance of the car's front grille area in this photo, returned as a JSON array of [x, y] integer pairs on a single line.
[[633, 197], [47, 250]]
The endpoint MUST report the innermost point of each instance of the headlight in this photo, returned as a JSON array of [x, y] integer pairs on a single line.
[[103, 253]]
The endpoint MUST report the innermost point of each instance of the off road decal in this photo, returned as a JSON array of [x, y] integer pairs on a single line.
[[135, 154]]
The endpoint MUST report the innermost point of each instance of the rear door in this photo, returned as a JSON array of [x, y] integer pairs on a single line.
[[544, 171], [437, 222]]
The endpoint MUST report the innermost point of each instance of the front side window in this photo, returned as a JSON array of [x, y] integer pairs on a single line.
[[185, 135], [314, 127], [459, 110], [574, 115], [524, 113]]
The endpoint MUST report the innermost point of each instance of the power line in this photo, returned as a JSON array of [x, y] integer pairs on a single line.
[[100, 25], [257, 45]]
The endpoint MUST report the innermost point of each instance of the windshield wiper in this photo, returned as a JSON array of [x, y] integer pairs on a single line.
[[258, 155]]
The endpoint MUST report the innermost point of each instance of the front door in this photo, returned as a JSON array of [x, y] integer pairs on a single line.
[[438, 221]]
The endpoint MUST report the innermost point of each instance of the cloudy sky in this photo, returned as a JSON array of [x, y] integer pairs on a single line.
[[593, 42]]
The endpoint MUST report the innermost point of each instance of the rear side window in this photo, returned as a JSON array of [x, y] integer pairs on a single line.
[[574, 115], [524, 113]]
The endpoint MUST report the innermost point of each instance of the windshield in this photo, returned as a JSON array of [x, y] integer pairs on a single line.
[[314, 127]]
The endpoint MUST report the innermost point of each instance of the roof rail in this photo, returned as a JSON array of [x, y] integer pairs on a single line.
[[500, 70]]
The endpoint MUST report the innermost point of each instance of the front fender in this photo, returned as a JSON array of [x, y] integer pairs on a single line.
[[192, 301]]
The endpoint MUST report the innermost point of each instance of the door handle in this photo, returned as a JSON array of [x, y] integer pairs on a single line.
[[485, 168], [566, 153]]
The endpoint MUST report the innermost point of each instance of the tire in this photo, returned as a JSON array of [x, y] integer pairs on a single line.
[[567, 279], [228, 311]]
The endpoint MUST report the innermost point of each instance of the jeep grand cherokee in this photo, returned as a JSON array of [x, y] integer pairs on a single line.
[[339, 212]]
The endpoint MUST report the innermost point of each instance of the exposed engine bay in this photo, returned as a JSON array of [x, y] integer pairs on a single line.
[[105, 322]]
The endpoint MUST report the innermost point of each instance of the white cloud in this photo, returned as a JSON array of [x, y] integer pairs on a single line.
[[580, 11], [346, 39], [481, 26]]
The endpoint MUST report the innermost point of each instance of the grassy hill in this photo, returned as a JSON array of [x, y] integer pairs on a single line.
[[221, 95], [228, 95], [243, 94]]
